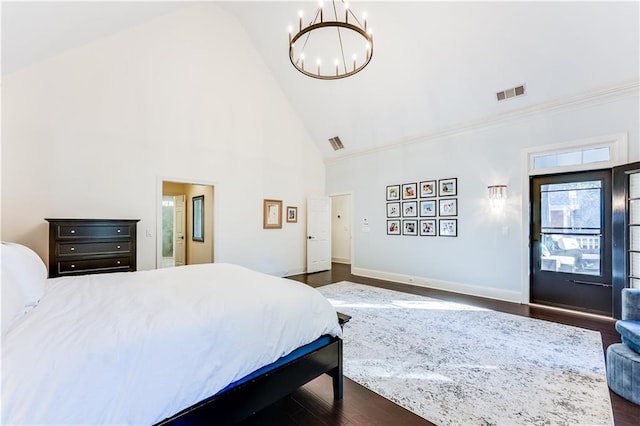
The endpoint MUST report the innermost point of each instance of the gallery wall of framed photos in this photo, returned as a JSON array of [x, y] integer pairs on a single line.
[[427, 208]]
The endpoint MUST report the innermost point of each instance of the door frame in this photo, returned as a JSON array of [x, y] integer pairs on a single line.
[[211, 233], [352, 206], [618, 144]]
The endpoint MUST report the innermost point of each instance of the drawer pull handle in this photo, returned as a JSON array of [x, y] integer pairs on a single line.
[[117, 247], [73, 248], [73, 231], [118, 230], [118, 262], [73, 266]]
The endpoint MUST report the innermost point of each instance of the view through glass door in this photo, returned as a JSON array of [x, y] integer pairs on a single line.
[[570, 241]]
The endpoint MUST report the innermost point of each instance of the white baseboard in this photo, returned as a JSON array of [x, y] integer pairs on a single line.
[[295, 271], [472, 290], [342, 260]]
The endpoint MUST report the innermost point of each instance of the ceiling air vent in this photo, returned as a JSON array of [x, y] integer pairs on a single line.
[[511, 93], [336, 143]]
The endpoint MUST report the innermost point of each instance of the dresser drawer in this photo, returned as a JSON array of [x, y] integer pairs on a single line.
[[77, 249], [112, 264], [68, 231]]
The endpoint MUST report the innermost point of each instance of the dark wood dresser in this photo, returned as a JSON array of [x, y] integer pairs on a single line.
[[91, 246]]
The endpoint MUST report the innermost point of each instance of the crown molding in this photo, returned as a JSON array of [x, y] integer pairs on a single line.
[[592, 97]]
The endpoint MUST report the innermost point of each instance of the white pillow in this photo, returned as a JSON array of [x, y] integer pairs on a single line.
[[12, 299], [28, 270]]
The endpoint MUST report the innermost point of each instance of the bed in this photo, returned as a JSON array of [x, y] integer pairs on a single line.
[[212, 342]]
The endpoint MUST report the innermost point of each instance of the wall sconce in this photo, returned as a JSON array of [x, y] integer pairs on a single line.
[[497, 196]]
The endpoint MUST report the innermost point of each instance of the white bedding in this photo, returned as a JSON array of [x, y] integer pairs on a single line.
[[135, 348]]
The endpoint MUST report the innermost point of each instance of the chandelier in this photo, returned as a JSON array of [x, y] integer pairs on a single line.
[[347, 42]]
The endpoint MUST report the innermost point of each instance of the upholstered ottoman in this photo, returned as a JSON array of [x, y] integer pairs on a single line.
[[623, 371]]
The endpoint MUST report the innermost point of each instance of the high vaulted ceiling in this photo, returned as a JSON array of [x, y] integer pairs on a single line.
[[435, 64]]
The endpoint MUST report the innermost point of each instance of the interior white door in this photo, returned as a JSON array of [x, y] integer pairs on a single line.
[[179, 226], [318, 234]]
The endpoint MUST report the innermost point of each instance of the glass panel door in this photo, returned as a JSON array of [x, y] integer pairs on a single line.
[[634, 230], [570, 241]]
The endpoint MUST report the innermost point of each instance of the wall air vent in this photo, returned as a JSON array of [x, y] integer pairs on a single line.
[[336, 143], [511, 93]]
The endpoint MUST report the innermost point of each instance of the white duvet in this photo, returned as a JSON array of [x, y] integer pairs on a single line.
[[135, 348]]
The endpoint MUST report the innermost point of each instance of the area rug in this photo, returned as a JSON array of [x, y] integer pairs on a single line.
[[455, 364]]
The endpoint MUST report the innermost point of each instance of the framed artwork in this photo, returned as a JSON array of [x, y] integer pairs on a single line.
[[448, 227], [393, 209], [428, 189], [410, 209], [197, 204], [428, 227], [272, 214], [428, 208], [393, 227], [409, 191], [409, 227], [292, 214], [448, 187], [448, 207], [393, 192]]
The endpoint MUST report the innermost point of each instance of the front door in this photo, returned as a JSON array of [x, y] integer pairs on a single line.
[[571, 241]]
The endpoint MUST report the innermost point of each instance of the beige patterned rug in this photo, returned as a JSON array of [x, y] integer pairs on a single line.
[[454, 364]]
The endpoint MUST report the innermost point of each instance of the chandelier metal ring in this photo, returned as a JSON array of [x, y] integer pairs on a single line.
[[298, 62]]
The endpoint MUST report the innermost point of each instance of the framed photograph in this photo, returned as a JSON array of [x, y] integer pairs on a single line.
[[448, 227], [428, 227], [272, 214], [393, 209], [448, 207], [409, 191], [409, 227], [428, 208], [448, 187], [292, 214], [410, 209], [428, 189], [197, 204], [393, 192], [393, 227]]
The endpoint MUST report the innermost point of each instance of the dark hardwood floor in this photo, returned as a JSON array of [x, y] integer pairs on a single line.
[[313, 404]]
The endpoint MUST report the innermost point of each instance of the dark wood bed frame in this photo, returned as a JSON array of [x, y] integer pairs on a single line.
[[238, 403]]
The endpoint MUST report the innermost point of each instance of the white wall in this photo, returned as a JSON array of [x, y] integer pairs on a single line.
[[482, 260], [89, 132]]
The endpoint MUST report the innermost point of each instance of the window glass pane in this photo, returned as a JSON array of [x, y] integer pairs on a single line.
[[571, 207], [569, 158], [575, 254], [634, 267], [634, 185], [634, 238], [595, 155], [545, 161], [634, 212]]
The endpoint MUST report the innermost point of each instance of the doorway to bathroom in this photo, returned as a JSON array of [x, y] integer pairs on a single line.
[[186, 231]]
